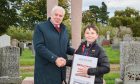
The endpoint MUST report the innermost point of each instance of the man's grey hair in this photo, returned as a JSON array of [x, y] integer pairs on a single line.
[[57, 8]]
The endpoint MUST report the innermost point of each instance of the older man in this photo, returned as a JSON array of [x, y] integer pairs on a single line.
[[51, 47]]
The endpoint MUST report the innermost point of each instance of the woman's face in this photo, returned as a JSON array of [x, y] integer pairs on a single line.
[[90, 35]]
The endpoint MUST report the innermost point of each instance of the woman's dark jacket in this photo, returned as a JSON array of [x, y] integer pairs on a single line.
[[103, 65], [50, 44]]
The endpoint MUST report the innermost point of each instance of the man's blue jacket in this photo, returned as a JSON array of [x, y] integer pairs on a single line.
[[50, 44]]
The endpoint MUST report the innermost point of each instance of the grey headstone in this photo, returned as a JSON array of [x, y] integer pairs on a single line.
[[9, 65], [128, 37], [129, 54], [100, 39], [116, 43]]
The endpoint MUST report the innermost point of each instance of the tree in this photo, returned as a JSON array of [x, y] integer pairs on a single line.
[[130, 12], [115, 21], [65, 4], [95, 12], [136, 29], [103, 15], [87, 17], [100, 14], [119, 13], [129, 18], [20, 33], [33, 12], [126, 17], [8, 14]]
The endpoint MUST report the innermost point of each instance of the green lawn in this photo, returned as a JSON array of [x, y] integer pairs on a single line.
[[27, 60], [110, 77], [113, 55]]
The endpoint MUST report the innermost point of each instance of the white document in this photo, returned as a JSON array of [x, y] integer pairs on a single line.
[[80, 60]]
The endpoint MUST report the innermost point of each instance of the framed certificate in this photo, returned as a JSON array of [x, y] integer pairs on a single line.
[[81, 61]]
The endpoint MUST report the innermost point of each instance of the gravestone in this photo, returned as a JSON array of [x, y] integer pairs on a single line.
[[33, 50], [108, 35], [116, 43], [4, 40], [123, 30], [25, 45], [21, 46], [129, 62], [106, 40], [9, 65], [128, 37], [100, 39], [14, 42]]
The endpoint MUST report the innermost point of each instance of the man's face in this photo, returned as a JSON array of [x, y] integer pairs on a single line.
[[57, 17]]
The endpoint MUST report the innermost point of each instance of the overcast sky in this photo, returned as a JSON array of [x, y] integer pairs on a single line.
[[112, 4]]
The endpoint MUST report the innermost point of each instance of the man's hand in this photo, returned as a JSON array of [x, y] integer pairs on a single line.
[[60, 62]]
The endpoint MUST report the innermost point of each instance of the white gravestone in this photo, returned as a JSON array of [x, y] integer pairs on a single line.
[[108, 35], [4, 40]]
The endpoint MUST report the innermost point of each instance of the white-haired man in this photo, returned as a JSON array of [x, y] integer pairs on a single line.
[[51, 47]]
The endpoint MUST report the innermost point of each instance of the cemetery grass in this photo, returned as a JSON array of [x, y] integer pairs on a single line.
[[27, 58], [110, 77], [27, 64], [113, 55]]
